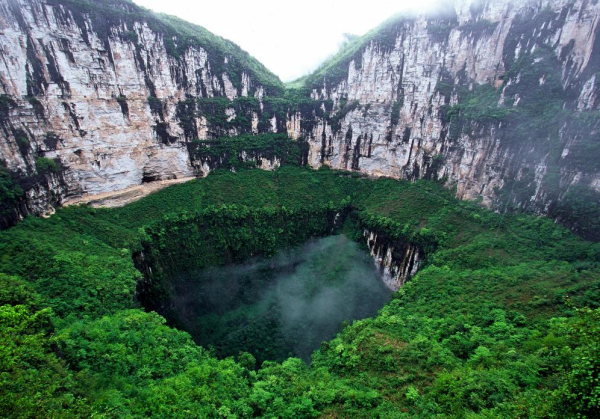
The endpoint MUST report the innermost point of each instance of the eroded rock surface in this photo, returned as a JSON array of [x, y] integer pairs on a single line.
[[120, 102]]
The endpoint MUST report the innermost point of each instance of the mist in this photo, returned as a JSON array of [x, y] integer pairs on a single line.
[[289, 39], [283, 306]]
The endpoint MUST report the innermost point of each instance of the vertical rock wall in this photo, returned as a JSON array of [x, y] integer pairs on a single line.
[[394, 98], [396, 261], [498, 99], [110, 100]]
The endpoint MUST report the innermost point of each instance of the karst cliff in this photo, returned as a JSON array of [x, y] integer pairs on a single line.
[[498, 99]]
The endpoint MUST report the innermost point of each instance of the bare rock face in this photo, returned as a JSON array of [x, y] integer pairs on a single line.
[[401, 104], [101, 98], [498, 99], [396, 261]]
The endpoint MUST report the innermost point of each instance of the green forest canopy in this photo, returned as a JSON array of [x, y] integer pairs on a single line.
[[502, 321]]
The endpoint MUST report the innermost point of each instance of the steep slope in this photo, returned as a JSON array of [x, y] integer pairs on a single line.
[[91, 95], [496, 98]]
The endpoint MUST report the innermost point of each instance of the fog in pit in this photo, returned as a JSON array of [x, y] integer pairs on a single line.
[[283, 306]]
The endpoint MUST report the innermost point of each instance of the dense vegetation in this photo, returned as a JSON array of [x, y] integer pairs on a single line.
[[277, 307], [500, 322], [249, 151], [10, 192], [246, 115]]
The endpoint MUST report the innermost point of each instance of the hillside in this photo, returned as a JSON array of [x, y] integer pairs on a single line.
[[493, 324], [497, 99]]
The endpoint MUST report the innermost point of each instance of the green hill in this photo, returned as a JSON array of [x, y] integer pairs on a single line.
[[494, 324]]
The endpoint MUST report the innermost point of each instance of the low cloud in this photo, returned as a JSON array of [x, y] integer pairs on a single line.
[[286, 305]]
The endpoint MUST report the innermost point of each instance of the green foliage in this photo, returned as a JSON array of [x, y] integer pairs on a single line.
[[99, 281], [6, 104], [239, 118], [249, 150], [224, 115], [22, 141], [214, 110], [472, 334], [33, 380], [87, 285], [130, 36], [580, 394], [10, 191], [44, 165], [479, 105], [131, 364], [245, 308], [580, 203], [395, 117], [155, 104], [291, 389], [345, 109], [37, 106], [481, 331]]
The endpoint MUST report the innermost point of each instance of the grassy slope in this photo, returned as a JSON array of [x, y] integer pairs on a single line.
[[478, 314]]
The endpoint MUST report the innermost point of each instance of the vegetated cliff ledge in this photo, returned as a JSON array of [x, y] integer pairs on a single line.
[[496, 98]]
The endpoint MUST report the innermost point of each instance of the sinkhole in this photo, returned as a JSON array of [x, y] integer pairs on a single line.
[[272, 307]]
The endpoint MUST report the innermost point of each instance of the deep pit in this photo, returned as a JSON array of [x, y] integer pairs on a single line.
[[281, 306]]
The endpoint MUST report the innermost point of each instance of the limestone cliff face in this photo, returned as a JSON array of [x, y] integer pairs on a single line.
[[401, 102], [496, 98], [397, 261], [105, 96]]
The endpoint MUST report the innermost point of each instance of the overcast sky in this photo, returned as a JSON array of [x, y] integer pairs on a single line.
[[289, 38]]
